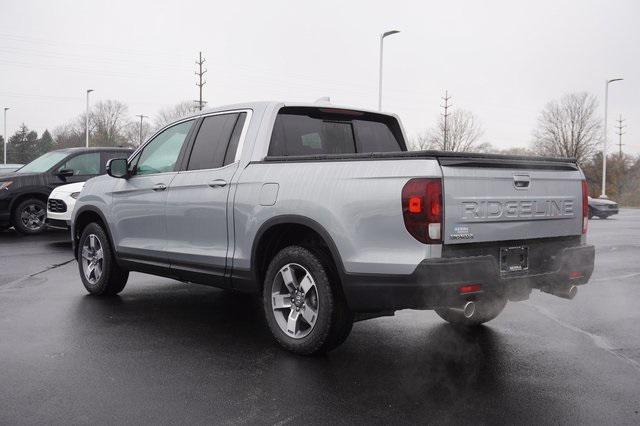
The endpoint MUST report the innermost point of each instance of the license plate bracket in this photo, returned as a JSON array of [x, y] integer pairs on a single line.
[[514, 259]]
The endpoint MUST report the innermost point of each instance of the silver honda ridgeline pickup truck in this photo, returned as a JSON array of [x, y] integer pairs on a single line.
[[323, 212]]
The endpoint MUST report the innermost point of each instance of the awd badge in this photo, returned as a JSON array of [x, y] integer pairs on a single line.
[[461, 232]]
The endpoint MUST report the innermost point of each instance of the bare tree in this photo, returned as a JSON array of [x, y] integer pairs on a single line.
[[568, 127], [167, 115], [132, 132], [109, 120], [69, 135], [463, 132]]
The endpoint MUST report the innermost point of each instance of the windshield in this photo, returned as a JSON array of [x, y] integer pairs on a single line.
[[43, 163]]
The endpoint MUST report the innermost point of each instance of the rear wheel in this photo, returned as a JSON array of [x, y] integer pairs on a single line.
[[99, 271], [485, 310], [304, 308], [29, 216]]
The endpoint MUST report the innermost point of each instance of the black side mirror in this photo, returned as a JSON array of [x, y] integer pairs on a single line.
[[65, 173], [118, 168]]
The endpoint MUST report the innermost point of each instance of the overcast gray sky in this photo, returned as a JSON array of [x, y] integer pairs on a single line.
[[503, 60]]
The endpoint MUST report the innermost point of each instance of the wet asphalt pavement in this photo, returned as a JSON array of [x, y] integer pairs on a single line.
[[166, 352]]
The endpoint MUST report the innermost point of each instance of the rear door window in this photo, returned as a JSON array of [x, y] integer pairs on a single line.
[[317, 131], [212, 141]]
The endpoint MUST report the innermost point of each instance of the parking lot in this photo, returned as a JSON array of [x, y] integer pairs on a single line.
[[168, 352]]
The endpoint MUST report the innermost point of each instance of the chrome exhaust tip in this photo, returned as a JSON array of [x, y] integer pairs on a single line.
[[566, 292], [468, 309]]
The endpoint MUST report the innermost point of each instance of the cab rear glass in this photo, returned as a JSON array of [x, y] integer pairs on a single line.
[[317, 131]]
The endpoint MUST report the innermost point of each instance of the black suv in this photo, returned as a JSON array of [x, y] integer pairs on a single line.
[[23, 194]]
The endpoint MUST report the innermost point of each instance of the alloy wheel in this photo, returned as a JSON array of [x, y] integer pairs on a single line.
[[92, 258], [294, 300], [33, 216]]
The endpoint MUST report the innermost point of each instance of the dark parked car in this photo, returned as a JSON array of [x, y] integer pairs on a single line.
[[23, 194], [602, 208]]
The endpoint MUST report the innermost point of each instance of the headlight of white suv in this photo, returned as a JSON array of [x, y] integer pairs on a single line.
[[75, 195]]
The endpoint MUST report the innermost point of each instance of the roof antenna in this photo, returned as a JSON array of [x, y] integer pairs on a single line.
[[323, 100]]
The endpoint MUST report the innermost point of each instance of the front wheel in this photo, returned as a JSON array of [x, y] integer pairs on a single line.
[[99, 271], [29, 216], [303, 305], [485, 310]]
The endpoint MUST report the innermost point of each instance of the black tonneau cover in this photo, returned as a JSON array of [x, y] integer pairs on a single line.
[[445, 158]]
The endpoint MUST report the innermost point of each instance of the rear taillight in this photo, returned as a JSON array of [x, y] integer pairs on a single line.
[[585, 206], [422, 209]]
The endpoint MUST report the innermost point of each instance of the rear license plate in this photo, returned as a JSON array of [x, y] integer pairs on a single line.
[[514, 259]]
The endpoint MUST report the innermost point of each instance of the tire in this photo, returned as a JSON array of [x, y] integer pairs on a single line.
[[98, 268], [485, 310], [302, 278], [29, 217], [604, 216]]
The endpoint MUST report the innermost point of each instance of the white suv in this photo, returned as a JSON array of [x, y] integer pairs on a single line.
[[60, 205]]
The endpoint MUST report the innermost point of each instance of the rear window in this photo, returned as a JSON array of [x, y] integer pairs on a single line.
[[315, 131]]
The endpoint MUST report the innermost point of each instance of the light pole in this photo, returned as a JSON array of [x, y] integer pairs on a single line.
[[382, 36], [5, 134], [141, 118], [604, 145], [87, 120]]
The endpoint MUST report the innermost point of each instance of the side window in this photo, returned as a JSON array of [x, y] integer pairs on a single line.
[[161, 154], [211, 143], [83, 164]]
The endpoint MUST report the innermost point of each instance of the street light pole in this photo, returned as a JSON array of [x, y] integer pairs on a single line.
[[141, 118], [604, 145], [5, 134], [87, 120], [382, 36]]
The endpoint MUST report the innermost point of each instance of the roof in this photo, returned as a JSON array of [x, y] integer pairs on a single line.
[[265, 104]]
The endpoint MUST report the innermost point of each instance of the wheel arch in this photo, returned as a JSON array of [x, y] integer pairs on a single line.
[[83, 217], [15, 202], [274, 234]]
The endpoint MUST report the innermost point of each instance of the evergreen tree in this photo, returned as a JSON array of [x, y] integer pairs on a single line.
[[22, 146], [44, 144]]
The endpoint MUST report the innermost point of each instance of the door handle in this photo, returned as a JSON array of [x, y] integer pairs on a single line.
[[159, 187], [218, 183]]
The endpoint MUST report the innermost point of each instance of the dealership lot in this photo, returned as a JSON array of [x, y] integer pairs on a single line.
[[168, 352]]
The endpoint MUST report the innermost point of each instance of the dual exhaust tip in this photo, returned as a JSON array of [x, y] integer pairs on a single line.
[[565, 292]]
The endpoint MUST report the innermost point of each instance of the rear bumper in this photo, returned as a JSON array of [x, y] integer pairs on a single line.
[[437, 282]]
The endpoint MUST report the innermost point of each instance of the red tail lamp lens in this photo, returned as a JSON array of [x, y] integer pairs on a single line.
[[415, 205], [422, 209], [471, 288]]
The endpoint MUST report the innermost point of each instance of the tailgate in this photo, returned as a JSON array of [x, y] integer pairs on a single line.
[[499, 201]]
